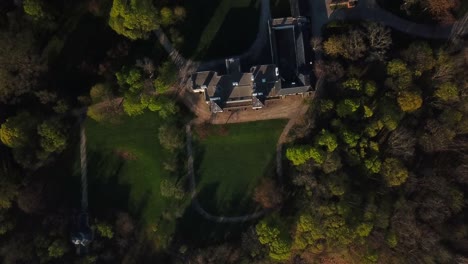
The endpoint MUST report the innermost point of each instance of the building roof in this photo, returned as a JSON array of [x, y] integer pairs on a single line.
[[239, 92], [293, 90]]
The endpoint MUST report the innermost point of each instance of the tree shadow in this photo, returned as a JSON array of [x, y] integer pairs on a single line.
[[193, 228], [236, 34]]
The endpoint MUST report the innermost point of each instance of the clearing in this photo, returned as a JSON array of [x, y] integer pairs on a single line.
[[125, 170], [230, 160]]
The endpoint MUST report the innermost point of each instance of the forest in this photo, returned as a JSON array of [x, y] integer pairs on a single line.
[[377, 174]]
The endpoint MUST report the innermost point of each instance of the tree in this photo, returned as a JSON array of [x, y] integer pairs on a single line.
[[332, 163], [52, 136], [279, 248], [379, 39], [57, 249], [420, 56], [447, 92], [328, 140], [349, 137], [268, 194], [170, 188], [16, 131], [347, 107], [170, 137], [441, 9], [354, 46], [401, 142], [409, 101], [35, 9], [394, 172], [134, 19], [8, 183], [326, 105], [20, 65], [334, 45], [167, 16], [105, 230], [180, 13], [401, 76], [301, 154], [30, 199]]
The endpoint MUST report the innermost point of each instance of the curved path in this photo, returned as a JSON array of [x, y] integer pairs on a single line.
[[370, 10], [193, 190]]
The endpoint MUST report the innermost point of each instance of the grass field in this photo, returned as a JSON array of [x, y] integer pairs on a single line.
[[125, 163], [231, 161], [219, 28]]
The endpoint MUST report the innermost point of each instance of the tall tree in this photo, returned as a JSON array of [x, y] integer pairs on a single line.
[[134, 19]]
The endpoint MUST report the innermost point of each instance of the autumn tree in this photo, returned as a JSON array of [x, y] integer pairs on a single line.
[[20, 65], [134, 19], [268, 194], [409, 101], [419, 56], [334, 45], [441, 10], [16, 131], [394, 172]]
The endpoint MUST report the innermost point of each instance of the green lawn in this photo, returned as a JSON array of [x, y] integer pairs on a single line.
[[125, 163], [231, 161], [219, 28]]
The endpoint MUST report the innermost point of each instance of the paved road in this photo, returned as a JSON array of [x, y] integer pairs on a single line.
[[370, 10]]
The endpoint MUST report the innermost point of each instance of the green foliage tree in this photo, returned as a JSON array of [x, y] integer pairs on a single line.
[[353, 84], [170, 137], [370, 89], [409, 101], [347, 107], [52, 136], [364, 229], [401, 76], [105, 230], [327, 139], [349, 137], [390, 114], [170, 189], [279, 248], [134, 19], [394, 172], [301, 154], [167, 16], [326, 105], [373, 164], [57, 249], [447, 92], [35, 9], [167, 76]]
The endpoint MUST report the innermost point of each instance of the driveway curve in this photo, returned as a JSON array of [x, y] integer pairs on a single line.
[[193, 190]]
